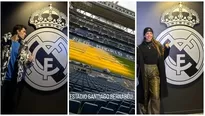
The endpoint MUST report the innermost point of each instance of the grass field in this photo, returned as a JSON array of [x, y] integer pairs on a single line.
[[100, 59], [129, 64]]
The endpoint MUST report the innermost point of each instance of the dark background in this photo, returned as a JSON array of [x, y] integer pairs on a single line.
[[181, 99], [32, 100]]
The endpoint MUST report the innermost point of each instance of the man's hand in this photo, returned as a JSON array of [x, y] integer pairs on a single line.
[[30, 57]]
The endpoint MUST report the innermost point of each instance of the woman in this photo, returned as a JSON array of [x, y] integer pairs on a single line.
[[152, 78]]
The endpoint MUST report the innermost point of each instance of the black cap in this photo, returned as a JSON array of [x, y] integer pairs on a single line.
[[148, 29]]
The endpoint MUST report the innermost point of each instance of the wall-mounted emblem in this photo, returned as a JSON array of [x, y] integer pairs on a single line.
[[49, 47], [185, 61]]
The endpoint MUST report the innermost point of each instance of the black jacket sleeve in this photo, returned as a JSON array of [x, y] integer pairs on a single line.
[[163, 78], [140, 75], [166, 52]]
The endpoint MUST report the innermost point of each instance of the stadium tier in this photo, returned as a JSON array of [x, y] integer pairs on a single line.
[[82, 82], [102, 54], [97, 32]]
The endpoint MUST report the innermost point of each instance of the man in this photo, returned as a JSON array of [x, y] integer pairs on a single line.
[[15, 68]]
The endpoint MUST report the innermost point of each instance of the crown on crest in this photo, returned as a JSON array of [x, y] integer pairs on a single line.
[[180, 15], [49, 17]]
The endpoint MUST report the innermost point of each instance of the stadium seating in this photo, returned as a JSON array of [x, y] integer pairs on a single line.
[[114, 51], [108, 30], [80, 82], [89, 108], [113, 105], [104, 110], [75, 106], [86, 30], [101, 31]]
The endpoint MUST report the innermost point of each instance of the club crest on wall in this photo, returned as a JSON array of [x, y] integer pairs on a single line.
[[49, 47], [185, 61]]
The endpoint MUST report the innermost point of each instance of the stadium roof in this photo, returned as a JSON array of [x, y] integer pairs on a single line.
[[110, 11]]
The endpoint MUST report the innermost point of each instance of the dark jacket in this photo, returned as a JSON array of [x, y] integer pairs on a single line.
[[141, 71], [22, 62]]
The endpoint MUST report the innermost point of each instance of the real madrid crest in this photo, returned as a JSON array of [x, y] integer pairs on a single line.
[[185, 61], [49, 47]]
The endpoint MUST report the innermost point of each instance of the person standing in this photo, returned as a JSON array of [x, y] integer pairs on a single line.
[[18, 61], [152, 77]]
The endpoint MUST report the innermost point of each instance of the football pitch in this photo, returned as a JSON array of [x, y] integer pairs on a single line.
[[101, 59]]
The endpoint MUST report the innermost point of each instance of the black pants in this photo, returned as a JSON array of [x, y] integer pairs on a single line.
[[10, 96]]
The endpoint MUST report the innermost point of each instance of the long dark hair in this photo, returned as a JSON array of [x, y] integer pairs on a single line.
[[157, 46]]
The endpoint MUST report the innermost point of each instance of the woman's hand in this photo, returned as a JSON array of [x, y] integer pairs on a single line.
[[167, 45]]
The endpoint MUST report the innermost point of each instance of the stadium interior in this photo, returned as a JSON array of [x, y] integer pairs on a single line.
[[102, 54]]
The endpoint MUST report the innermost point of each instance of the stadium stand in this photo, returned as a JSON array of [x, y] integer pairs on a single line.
[[92, 31], [81, 82], [96, 33]]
